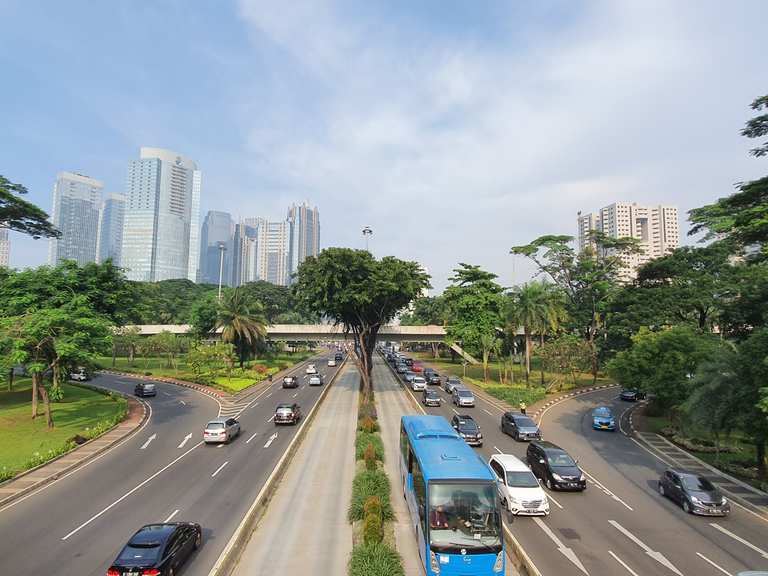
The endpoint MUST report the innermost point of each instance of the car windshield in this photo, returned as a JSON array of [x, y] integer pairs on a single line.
[[284, 410], [558, 459], [464, 516], [467, 425], [465, 393], [525, 423], [524, 479], [431, 394], [697, 484], [215, 425], [139, 554], [602, 413]]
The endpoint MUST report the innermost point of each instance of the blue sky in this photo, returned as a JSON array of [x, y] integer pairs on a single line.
[[454, 129]]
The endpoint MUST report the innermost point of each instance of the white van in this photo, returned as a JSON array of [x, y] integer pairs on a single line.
[[519, 490]]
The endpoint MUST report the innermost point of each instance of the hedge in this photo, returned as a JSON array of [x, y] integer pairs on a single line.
[[376, 559], [361, 442], [370, 483]]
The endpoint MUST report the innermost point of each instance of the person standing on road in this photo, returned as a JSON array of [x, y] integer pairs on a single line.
[[522, 407]]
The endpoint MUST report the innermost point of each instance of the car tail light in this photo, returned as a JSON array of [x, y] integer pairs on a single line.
[[113, 572], [151, 572]]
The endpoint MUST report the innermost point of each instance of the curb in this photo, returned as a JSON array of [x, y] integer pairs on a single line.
[[213, 392], [64, 471], [540, 410], [230, 556]]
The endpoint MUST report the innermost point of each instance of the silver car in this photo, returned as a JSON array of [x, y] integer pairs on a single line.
[[463, 397], [450, 383], [418, 384], [221, 430]]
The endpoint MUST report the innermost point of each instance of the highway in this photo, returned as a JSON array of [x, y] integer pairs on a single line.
[[77, 524], [619, 525]]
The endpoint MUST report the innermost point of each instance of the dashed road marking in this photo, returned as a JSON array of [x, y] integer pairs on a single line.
[[219, 469]]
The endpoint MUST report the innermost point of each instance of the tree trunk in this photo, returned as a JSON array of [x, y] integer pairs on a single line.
[[435, 350], [56, 377], [760, 457], [114, 354], [11, 376], [46, 405], [131, 353], [541, 360], [36, 377], [527, 356]]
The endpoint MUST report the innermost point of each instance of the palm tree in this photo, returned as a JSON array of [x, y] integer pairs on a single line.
[[243, 323]]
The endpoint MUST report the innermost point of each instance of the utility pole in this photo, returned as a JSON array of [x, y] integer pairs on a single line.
[[222, 249], [366, 233]]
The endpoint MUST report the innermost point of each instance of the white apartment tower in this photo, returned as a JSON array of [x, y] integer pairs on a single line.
[[304, 231], [76, 206], [5, 248], [161, 230], [656, 227]]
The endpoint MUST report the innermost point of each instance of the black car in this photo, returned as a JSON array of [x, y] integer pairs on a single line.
[[144, 389], [290, 382], [157, 549], [694, 493], [432, 377], [631, 395], [519, 426], [468, 429], [338, 357], [408, 362], [287, 413], [431, 398], [554, 466]]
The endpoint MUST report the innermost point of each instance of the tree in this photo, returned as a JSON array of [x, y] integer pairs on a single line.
[[568, 354], [488, 343], [127, 337], [203, 315], [22, 216], [360, 293], [752, 389], [242, 323], [427, 310], [274, 299]]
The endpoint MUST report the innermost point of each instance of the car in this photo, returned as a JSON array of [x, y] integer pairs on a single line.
[[144, 389], [519, 490], [311, 369], [427, 372], [432, 377], [401, 368], [408, 376], [316, 380], [520, 426], [468, 429], [79, 374], [417, 367], [431, 398], [450, 383], [290, 382], [157, 549], [287, 413], [338, 357], [418, 383], [331, 362], [408, 362], [221, 430], [694, 493], [555, 467], [463, 397], [631, 395], [602, 419]]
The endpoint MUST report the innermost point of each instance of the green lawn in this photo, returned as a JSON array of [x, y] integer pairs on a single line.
[[25, 443]]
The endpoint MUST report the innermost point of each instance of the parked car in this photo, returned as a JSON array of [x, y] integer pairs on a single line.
[[79, 374], [311, 369], [418, 383], [157, 549], [316, 380], [694, 493], [519, 490], [290, 382], [450, 383], [144, 389], [520, 426], [431, 398], [468, 429], [631, 395], [602, 419], [287, 413], [221, 430], [555, 467], [331, 362], [463, 397]]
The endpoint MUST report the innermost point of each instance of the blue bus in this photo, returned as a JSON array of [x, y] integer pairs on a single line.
[[452, 499]]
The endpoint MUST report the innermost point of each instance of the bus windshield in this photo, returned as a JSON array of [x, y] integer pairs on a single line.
[[464, 516]]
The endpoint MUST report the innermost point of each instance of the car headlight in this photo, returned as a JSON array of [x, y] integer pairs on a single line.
[[582, 478], [498, 566], [545, 500], [462, 434], [557, 477], [479, 434], [695, 500], [433, 563], [723, 501]]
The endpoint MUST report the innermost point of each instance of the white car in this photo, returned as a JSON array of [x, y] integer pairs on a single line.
[[519, 490], [418, 383], [80, 375], [311, 369], [221, 430], [331, 363], [315, 380]]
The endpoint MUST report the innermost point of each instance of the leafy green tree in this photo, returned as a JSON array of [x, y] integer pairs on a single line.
[[127, 338], [426, 310], [274, 299], [203, 315], [751, 393], [242, 322], [167, 301], [22, 216], [565, 355], [355, 290], [211, 359]]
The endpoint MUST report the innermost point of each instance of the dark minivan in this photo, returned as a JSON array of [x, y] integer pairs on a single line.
[[519, 426], [555, 467], [158, 549], [695, 494]]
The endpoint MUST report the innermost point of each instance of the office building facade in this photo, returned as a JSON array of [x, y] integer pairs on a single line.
[[110, 236], [304, 235], [76, 206], [217, 248], [5, 248]]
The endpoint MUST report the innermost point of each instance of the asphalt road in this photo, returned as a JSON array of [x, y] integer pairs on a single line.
[[619, 525], [77, 525]]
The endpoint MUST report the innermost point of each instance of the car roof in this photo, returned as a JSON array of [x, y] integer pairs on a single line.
[[218, 420], [602, 409], [153, 533], [464, 417], [680, 472], [462, 389], [520, 415], [546, 445], [285, 405], [510, 462]]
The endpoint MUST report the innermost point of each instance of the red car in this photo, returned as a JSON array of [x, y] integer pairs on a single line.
[[417, 367]]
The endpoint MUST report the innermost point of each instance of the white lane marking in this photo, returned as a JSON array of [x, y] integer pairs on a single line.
[[549, 495], [186, 439], [270, 394], [455, 411], [148, 442], [220, 445], [171, 516], [746, 543], [487, 412], [708, 561], [271, 439], [658, 556], [497, 450], [621, 418], [182, 401], [620, 561], [166, 393], [272, 418], [219, 469], [606, 491], [131, 491], [294, 396], [252, 437], [564, 550]]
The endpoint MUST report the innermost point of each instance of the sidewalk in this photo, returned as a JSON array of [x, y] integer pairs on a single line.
[[305, 528]]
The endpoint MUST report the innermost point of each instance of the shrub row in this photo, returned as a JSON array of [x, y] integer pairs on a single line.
[[375, 559], [361, 443], [369, 483]]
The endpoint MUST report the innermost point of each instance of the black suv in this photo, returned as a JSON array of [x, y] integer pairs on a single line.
[[290, 382], [519, 426], [468, 429], [432, 377], [554, 466], [338, 357], [158, 549]]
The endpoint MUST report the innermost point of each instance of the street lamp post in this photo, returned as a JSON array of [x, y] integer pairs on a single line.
[[222, 249], [366, 233]]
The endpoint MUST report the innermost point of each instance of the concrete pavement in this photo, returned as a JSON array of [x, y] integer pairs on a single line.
[[305, 529]]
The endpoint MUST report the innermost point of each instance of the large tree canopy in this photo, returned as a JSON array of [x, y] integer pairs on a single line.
[[20, 215]]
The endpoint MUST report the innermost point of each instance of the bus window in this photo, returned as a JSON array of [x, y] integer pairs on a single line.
[[419, 488]]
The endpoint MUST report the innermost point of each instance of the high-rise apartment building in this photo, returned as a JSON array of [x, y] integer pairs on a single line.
[[304, 232], [110, 236], [656, 227], [160, 234], [272, 258], [217, 248], [76, 205], [5, 248]]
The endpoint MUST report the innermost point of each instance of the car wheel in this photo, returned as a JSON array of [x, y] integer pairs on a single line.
[[686, 507], [549, 484], [661, 489], [517, 436], [170, 571], [198, 540]]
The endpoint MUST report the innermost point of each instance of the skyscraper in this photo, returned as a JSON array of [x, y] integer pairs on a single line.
[[304, 232], [218, 229], [161, 217], [272, 261], [656, 227], [245, 251], [5, 248], [110, 237], [76, 204]]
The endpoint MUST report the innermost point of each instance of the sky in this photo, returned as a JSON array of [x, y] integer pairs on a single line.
[[454, 129]]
